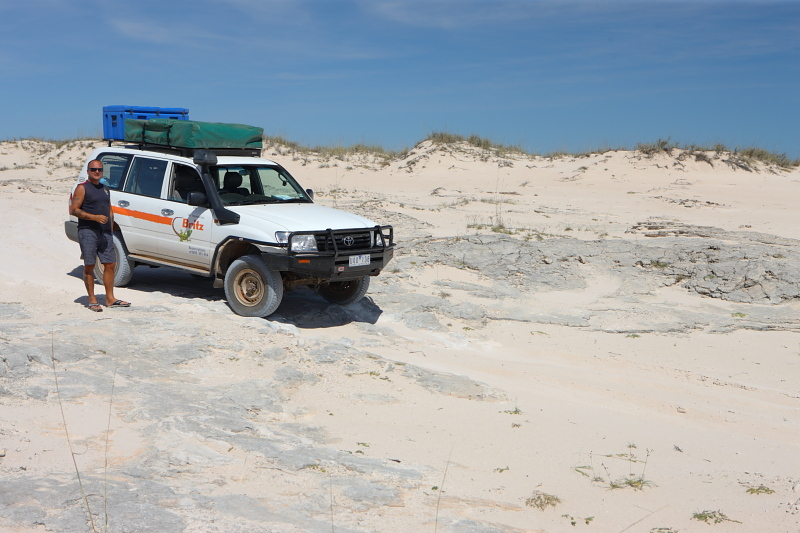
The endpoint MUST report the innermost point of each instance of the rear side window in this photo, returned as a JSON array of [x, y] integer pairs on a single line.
[[115, 166], [146, 177]]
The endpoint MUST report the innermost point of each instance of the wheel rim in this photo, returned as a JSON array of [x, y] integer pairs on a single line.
[[249, 287]]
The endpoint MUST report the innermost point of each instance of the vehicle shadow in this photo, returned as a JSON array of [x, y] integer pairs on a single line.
[[302, 307], [306, 309]]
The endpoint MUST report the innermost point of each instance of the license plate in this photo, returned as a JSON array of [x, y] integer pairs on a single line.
[[359, 260]]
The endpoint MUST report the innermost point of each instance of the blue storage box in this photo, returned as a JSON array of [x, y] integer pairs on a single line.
[[114, 117]]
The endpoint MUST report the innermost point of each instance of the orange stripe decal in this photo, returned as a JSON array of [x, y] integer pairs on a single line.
[[158, 219]]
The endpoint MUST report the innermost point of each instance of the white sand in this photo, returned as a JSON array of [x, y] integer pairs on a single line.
[[705, 415]]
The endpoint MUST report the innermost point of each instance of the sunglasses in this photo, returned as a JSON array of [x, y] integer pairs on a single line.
[[96, 169]]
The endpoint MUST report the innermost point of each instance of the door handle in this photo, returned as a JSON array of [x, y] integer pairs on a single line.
[[167, 212], [123, 203]]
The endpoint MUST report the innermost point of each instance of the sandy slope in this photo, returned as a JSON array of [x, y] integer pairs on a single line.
[[567, 389]]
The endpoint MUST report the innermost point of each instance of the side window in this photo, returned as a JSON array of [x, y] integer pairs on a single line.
[[276, 184], [183, 180], [115, 166], [270, 181], [146, 177]]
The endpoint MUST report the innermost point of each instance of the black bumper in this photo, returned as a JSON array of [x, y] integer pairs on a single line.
[[331, 267], [335, 248]]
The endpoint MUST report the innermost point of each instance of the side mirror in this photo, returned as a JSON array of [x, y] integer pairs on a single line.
[[310, 192], [196, 198]]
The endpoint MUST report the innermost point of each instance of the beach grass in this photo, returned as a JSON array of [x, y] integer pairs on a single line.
[[748, 155], [57, 143], [742, 155]]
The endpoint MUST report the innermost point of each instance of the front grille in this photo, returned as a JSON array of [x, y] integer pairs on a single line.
[[360, 241]]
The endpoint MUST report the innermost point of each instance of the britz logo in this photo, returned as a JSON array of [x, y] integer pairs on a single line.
[[183, 227], [185, 223], [192, 224]]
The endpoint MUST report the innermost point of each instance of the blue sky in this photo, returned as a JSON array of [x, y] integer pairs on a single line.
[[553, 75]]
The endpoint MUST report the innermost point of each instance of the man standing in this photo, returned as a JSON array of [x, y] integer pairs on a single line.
[[91, 203]]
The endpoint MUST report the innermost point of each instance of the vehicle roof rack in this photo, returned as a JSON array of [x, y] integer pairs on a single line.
[[189, 152]]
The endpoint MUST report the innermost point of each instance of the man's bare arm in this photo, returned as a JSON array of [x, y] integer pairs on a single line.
[[77, 201]]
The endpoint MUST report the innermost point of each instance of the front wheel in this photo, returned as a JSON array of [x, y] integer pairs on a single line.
[[251, 288], [345, 292], [123, 271]]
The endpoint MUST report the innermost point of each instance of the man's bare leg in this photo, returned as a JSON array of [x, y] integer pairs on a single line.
[[88, 280], [108, 282]]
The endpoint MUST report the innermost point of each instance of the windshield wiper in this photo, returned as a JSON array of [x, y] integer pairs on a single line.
[[243, 202], [269, 201], [295, 201]]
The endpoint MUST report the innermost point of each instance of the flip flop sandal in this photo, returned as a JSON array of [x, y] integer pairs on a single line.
[[94, 307], [120, 303]]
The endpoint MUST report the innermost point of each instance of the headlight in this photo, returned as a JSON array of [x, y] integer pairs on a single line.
[[300, 243], [304, 243], [378, 239]]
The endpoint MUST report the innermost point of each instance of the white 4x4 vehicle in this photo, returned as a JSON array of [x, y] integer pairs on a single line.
[[239, 219]]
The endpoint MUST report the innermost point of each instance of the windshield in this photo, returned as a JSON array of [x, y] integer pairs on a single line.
[[256, 184]]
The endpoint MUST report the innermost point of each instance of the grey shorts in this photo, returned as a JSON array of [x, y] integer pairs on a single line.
[[95, 243]]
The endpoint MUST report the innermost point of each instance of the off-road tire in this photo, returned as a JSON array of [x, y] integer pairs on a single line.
[[124, 266], [345, 292], [251, 288]]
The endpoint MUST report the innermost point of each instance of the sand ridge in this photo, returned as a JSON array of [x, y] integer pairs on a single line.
[[617, 331]]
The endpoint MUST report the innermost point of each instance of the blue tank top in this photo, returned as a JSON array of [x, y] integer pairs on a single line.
[[96, 201]]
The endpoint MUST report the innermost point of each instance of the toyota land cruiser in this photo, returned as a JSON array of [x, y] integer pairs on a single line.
[[239, 219]]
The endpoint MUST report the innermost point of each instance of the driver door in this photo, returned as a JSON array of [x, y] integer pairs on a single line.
[[187, 240]]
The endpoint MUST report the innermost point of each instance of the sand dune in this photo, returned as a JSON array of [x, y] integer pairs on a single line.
[[606, 343]]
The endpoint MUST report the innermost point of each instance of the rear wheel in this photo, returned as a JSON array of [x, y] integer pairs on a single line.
[[345, 292], [123, 272], [251, 288]]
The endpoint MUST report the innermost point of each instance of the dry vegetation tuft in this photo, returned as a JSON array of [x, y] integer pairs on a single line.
[[741, 157]]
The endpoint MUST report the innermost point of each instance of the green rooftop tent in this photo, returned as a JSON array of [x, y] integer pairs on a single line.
[[193, 134]]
